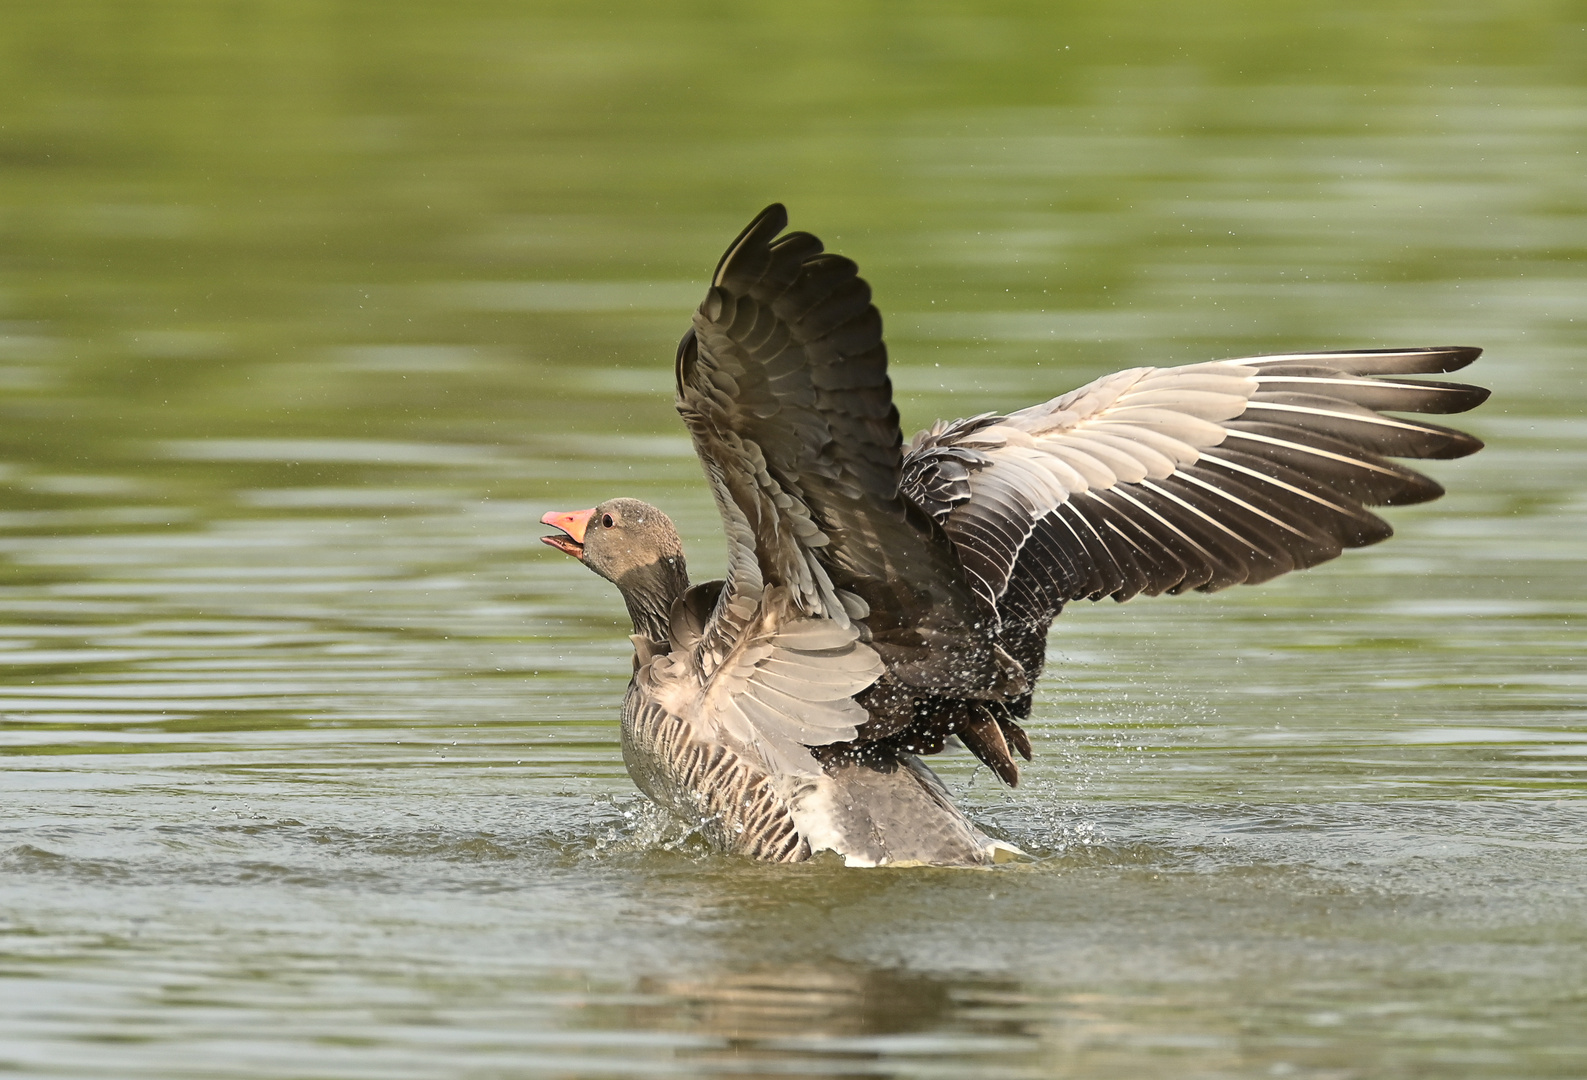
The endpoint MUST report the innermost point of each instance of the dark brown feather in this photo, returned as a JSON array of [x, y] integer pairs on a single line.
[[783, 383]]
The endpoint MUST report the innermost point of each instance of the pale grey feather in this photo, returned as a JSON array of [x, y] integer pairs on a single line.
[[1199, 476]]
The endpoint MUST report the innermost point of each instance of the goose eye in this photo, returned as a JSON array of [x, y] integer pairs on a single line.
[[606, 521]]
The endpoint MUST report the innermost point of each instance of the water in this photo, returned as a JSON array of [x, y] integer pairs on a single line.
[[308, 313]]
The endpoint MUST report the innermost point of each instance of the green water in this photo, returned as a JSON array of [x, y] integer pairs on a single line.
[[309, 311]]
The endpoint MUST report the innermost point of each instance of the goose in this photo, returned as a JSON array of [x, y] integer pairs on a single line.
[[881, 599]]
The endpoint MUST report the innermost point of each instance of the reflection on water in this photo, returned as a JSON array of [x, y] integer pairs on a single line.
[[793, 1001], [830, 1019], [310, 760]]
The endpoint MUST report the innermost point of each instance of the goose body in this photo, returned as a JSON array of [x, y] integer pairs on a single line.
[[880, 599]]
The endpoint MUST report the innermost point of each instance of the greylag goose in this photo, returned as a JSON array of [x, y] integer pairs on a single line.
[[880, 599]]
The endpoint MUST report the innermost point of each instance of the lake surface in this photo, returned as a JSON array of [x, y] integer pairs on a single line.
[[308, 312]]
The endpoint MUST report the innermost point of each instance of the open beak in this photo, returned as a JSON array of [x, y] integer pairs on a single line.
[[571, 522]]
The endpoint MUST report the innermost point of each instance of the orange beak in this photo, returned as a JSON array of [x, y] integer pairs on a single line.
[[571, 522]]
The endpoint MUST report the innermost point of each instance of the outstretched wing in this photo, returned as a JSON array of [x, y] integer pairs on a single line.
[[783, 384], [1199, 477]]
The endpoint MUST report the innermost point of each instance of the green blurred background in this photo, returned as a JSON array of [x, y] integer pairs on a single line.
[[200, 199]]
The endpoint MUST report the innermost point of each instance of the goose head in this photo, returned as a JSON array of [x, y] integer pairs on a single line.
[[634, 546]]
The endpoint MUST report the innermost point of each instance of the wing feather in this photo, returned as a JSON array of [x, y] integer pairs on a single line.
[[783, 385], [1198, 477], [788, 683]]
